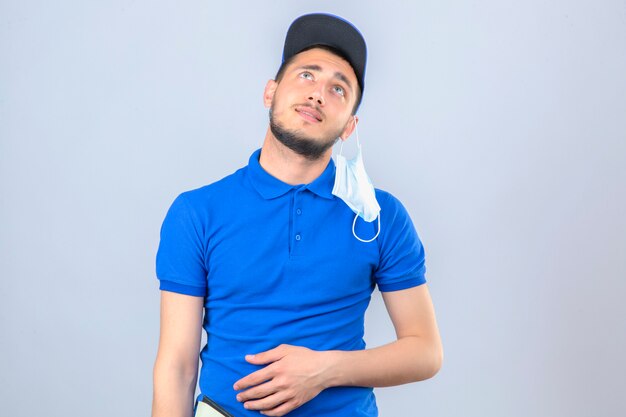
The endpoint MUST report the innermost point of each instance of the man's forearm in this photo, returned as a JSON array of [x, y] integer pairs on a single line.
[[292, 375], [408, 359], [174, 391]]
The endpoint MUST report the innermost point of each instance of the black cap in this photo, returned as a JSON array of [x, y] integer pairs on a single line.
[[328, 30]]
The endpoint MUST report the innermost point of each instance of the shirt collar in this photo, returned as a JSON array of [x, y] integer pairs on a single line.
[[271, 187]]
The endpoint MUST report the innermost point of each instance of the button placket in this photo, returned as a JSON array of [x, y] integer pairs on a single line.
[[297, 232]]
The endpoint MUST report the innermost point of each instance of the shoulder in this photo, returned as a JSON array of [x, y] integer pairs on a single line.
[[390, 205], [197, 206], [394, 216], [385, 197], [214, 192]]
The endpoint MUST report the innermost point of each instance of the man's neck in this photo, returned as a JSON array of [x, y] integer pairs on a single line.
[[286, 165]]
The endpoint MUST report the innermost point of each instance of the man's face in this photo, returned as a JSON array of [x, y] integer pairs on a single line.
[[311, 106]]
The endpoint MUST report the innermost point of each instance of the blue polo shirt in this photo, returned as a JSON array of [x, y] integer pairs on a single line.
[[277, 263]]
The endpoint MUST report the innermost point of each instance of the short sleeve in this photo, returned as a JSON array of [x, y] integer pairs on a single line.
[[402, 258], [180, 258]]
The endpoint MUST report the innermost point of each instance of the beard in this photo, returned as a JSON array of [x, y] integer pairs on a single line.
[[311, 148]]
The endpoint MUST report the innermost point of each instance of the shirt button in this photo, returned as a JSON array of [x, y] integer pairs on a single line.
[[298, 237], [299, 211]]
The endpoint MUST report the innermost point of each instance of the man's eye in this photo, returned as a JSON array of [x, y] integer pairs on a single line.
[[307, 75], [338, 90]]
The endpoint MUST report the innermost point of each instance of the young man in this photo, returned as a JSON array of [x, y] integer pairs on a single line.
[[282, 257]]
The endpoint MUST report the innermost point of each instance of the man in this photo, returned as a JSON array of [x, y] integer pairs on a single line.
[[283, 268]]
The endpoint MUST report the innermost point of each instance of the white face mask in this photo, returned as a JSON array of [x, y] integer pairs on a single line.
[[354, 187]]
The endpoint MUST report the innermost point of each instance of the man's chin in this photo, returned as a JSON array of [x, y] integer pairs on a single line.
[[308, 148], [299, 142]]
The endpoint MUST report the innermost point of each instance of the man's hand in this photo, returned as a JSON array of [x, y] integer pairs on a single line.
[[293, 376]]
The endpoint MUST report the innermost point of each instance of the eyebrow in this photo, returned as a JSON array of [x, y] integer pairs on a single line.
[[339, 75]]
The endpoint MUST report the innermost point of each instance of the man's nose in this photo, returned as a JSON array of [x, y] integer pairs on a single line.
[[317, 96]]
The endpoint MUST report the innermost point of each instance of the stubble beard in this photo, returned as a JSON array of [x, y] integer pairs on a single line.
[[310, 148]]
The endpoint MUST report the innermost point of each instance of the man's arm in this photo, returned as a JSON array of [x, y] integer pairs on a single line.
[[294, 375], [176, 366], [417, 354]]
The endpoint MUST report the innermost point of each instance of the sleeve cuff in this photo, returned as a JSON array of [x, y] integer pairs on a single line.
[[402, 285], [171, 286]]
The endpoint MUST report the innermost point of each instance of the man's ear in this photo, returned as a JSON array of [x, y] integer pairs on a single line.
[[268, 93], [350, 126]]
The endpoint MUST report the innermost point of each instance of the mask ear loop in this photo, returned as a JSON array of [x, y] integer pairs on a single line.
[[357, 137], [365, 241], [356, 132], [358, 142]]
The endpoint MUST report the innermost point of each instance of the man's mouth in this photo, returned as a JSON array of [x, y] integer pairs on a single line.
[[309, 113]]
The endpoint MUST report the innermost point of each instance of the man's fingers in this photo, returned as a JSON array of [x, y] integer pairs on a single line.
[[262, 375], [268, 356], [257, 392], [282, 409], [255, 378], [268, 403]]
